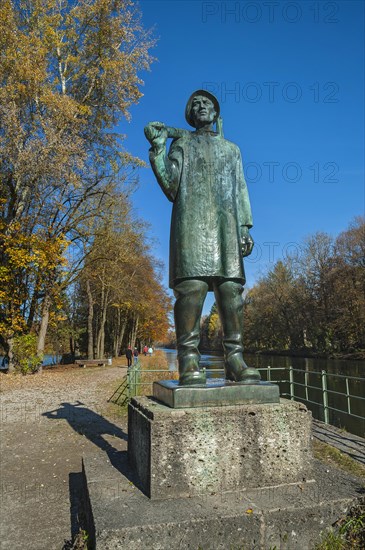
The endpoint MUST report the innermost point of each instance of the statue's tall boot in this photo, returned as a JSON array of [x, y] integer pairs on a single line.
[[230, 306], [190, 295]]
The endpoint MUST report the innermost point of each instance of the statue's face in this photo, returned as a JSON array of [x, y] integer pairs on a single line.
[[202, 111]]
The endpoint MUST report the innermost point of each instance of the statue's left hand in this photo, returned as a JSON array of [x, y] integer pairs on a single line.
[[246, 242]]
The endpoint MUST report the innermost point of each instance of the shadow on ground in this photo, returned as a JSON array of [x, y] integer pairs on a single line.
[[95, 427], [77, 514]]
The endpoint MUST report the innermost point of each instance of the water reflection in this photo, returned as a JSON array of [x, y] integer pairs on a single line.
[[48, 360], [171, 357], [335, 366], [209, 361]]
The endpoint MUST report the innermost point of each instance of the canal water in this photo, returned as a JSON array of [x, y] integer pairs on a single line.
[[48, 360], [344, 379]]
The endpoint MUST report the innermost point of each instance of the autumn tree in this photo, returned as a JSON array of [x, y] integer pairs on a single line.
[[107, 276], [274, 317], [151, 305], [69, 72], [348, 280], [120, 283], [316, 300]]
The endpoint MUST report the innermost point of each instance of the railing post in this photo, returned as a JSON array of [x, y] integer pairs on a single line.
[[129, 382], [325, 396], [268, 378], [138, 376], [306, 384], [136, 373], [132, 381], [291, 383], [348, 396]]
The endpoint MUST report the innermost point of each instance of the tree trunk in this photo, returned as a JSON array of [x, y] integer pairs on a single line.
[[90, 317], [33, 306], [10, 354], [98, 341], [101, 333], [134, 330], [72, 346], [120, 336], [43, 326], [100, 328], [115, 332], [102, 339]]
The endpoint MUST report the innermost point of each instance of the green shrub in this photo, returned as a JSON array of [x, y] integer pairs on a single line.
[[26, 359]]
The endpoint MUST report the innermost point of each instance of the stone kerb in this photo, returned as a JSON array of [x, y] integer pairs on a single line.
[[180, 453]]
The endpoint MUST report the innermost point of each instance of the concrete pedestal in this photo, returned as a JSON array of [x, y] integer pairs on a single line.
[[180, 453]]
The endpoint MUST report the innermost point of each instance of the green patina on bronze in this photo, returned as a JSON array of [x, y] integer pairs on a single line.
[[211, 206], [216, 392], [202, 175]]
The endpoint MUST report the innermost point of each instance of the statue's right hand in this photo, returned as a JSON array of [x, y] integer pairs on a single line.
[[156, 133]]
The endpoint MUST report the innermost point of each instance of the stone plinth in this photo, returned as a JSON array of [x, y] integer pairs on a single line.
[[216, 392], [179, 453], [290, 517]]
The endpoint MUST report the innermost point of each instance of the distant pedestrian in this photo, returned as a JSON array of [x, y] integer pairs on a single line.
[[129, 355], [150, 351], [135, 355], [145, 351]]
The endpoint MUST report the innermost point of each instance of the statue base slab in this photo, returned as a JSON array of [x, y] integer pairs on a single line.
[[291, 516], [216, 392], [178, 453]]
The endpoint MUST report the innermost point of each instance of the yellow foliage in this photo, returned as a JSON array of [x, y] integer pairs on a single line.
[[68, 73], [214, 325], [35, 255]]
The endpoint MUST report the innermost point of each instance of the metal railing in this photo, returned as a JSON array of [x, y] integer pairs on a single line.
[[133, 379], [134, 375], [326, 392], [319, 395], [323, 388]]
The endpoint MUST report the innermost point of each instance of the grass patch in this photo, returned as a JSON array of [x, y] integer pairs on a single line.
[[348, 532], [115, 410], [330, 455], [81, 541], [116, 405], [149, 366]]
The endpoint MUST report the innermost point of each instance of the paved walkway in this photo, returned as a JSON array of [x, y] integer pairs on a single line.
[[347, 443]]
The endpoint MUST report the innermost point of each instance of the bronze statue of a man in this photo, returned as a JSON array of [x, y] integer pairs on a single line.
[[202, 175]]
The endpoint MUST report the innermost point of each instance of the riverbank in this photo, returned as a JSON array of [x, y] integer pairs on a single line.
[[308, 353]]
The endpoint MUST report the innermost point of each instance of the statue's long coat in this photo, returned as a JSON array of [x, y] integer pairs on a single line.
[[203, 176]]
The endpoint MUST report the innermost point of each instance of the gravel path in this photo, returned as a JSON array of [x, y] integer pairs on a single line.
[[48, 422]]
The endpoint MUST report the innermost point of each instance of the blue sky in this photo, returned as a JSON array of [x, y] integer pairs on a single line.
[[290, 80]]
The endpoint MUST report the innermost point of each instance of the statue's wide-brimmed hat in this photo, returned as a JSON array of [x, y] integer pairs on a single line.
[[204, 93]]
